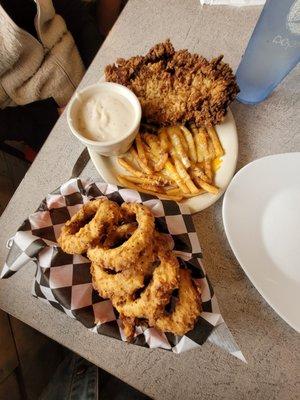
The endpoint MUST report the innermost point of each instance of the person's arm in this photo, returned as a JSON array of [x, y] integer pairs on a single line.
[[82, 27], [31, 123], [107, 13]]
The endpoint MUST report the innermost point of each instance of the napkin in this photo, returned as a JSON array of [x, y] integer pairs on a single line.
[[238, 3], [63, 281]]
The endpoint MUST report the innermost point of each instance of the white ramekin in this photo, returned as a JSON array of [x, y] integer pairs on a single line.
[[111, 147]]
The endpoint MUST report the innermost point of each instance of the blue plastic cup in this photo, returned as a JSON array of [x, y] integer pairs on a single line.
[[272, 52]]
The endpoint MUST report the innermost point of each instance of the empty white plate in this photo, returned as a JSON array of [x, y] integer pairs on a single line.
[[261, 215]]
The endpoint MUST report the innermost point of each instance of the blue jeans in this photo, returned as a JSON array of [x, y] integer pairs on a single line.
[[78, 379], [74, 379]]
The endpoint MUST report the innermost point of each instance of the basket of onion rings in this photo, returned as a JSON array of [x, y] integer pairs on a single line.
[[125, 264]]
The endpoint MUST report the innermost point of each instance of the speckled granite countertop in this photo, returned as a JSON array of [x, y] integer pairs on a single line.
[[268, 343]]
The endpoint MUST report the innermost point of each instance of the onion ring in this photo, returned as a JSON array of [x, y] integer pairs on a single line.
[[121, 286], [156, 296], [130, 253], [87, 226], [128, 327], [186, 311], [120, 232]]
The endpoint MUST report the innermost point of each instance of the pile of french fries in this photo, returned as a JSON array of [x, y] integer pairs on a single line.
[[174, 163]]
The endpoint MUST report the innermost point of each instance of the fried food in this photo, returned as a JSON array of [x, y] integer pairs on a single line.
[[126, 183], [178, 148], [180, 158], [133, 265], [177, 87], [219, 152], [88, 225], [134, 252], [119, 286], [187, 309], [118, 233], [151, 302], [141, 150], [128, 327], [191, 144]]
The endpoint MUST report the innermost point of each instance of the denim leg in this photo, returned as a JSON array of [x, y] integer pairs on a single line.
[[84, 385], [74, 379]]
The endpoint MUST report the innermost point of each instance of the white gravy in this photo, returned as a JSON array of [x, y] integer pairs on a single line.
[[105, 116]]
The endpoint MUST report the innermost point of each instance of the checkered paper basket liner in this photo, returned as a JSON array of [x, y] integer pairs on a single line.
[[64, 280]]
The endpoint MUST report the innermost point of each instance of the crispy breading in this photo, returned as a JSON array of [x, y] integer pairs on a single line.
[[88, 225], [139, 275], [155, 297], [137, 247], [177, 86], [187, 309]]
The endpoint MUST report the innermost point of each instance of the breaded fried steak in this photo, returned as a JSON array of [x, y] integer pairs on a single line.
[[177, 86]]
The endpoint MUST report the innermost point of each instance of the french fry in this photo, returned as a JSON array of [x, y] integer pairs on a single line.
[[206, 186], [191, 144], [145, 168], [200, 155], [200, 142], [177, 192], [145, 180], [216, 142], [175, 140], [154, 144], [208, 171], [161, 163], [140, 149], [183, 141], [194, 156], [203, 145], [216, 164], [164, 140], [124, 182], [184, 175], [154, 188], [165, 177], [198, 172], [193, 128], [130, 168], [174, 175], [211, 151], [188, 195], [153, 150], [150, 176], [174, 191]]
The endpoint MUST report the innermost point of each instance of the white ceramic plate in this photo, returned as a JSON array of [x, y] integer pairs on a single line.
[[261, 215], [109, 168]]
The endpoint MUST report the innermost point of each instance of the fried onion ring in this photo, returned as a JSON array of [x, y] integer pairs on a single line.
[[87, 226], [121, 286], [120, 232], [117, 285], [128, 327], [133, 266], [130, 253], [156, 296], [186, 311]]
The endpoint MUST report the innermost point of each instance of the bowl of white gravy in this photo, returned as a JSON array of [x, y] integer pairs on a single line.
[[105, 117]]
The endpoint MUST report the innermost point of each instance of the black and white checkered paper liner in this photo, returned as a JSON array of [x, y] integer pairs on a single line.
[[64, 280]]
